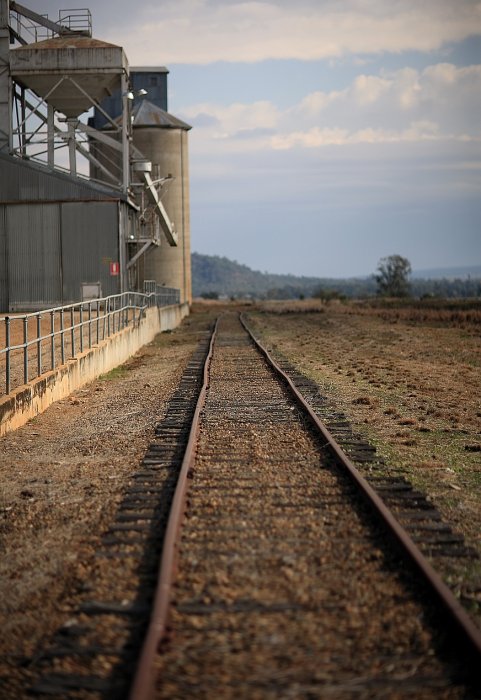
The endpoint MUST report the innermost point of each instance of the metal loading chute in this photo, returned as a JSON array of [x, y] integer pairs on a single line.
[[165, 223]]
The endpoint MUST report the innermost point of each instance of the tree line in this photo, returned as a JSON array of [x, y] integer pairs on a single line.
[[218, 277]]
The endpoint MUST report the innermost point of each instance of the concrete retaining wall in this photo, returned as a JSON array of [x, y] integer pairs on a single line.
[[29, 400]]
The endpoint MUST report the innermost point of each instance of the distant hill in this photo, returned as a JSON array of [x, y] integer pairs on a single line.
[[218, 276], [214, 275]]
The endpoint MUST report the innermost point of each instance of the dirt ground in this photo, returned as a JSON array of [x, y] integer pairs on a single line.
[[61, 478], [410, 385], [410, 382]]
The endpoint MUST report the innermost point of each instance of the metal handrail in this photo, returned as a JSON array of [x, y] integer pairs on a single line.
[[78, 20], [71, 329]]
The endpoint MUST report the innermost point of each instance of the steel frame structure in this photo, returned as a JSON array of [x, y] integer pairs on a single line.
[[30, 127]]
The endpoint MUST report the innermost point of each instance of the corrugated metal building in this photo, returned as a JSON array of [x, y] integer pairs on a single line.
[[56, 233]]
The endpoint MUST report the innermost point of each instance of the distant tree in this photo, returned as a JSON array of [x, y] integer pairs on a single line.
[[392, 278]]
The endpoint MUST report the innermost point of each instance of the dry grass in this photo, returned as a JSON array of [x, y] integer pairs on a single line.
[[460, 313], [294, 306]]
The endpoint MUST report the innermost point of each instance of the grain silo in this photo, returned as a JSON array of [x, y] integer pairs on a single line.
[[163, 139], [160, 155]]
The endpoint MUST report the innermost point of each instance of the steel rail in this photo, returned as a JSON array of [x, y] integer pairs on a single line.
[[143, 684], [467, 632]]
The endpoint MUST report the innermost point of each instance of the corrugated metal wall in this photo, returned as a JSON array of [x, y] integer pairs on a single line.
[[3, 261], [48, 249], [33, 247], [55, 234], [23, 181], [89, 246]]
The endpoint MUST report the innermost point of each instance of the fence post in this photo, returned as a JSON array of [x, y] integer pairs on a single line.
[[39, 345], [7, 355], [72, 331], [98, 320], [81, 328], [62, 334], [90, 323], [104, 318], [25, 350], [52, 339]]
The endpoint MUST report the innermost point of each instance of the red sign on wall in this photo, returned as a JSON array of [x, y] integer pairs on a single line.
[[114, 268]]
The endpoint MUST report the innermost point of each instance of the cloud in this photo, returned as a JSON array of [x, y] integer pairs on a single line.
[[440, 103], [316, 137], [204, 31], [202, 119], [248, 134], [221, 123], [369, 88]]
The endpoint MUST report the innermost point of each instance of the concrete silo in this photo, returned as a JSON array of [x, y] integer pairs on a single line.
[[163, 139]]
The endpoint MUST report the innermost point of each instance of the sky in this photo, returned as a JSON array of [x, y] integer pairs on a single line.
[[327, 134]]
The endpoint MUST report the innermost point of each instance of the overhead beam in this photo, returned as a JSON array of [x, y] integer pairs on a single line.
[[139, 253], [99, 136], [17, 37], [96, 162]]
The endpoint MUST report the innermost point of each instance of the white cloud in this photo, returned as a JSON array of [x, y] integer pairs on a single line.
[[408, 88], [235, 121], [440, 103], [202, 31], [316, 137], [314, 103], [369, 88]]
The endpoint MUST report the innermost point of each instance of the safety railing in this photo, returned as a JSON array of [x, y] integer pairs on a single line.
[[34, 343], [78, 20], [160, 295]]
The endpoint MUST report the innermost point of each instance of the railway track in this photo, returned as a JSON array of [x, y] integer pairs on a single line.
[[278, 579], [288, 584]]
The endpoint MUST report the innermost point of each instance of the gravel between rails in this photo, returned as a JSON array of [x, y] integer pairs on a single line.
[[284, 591]]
